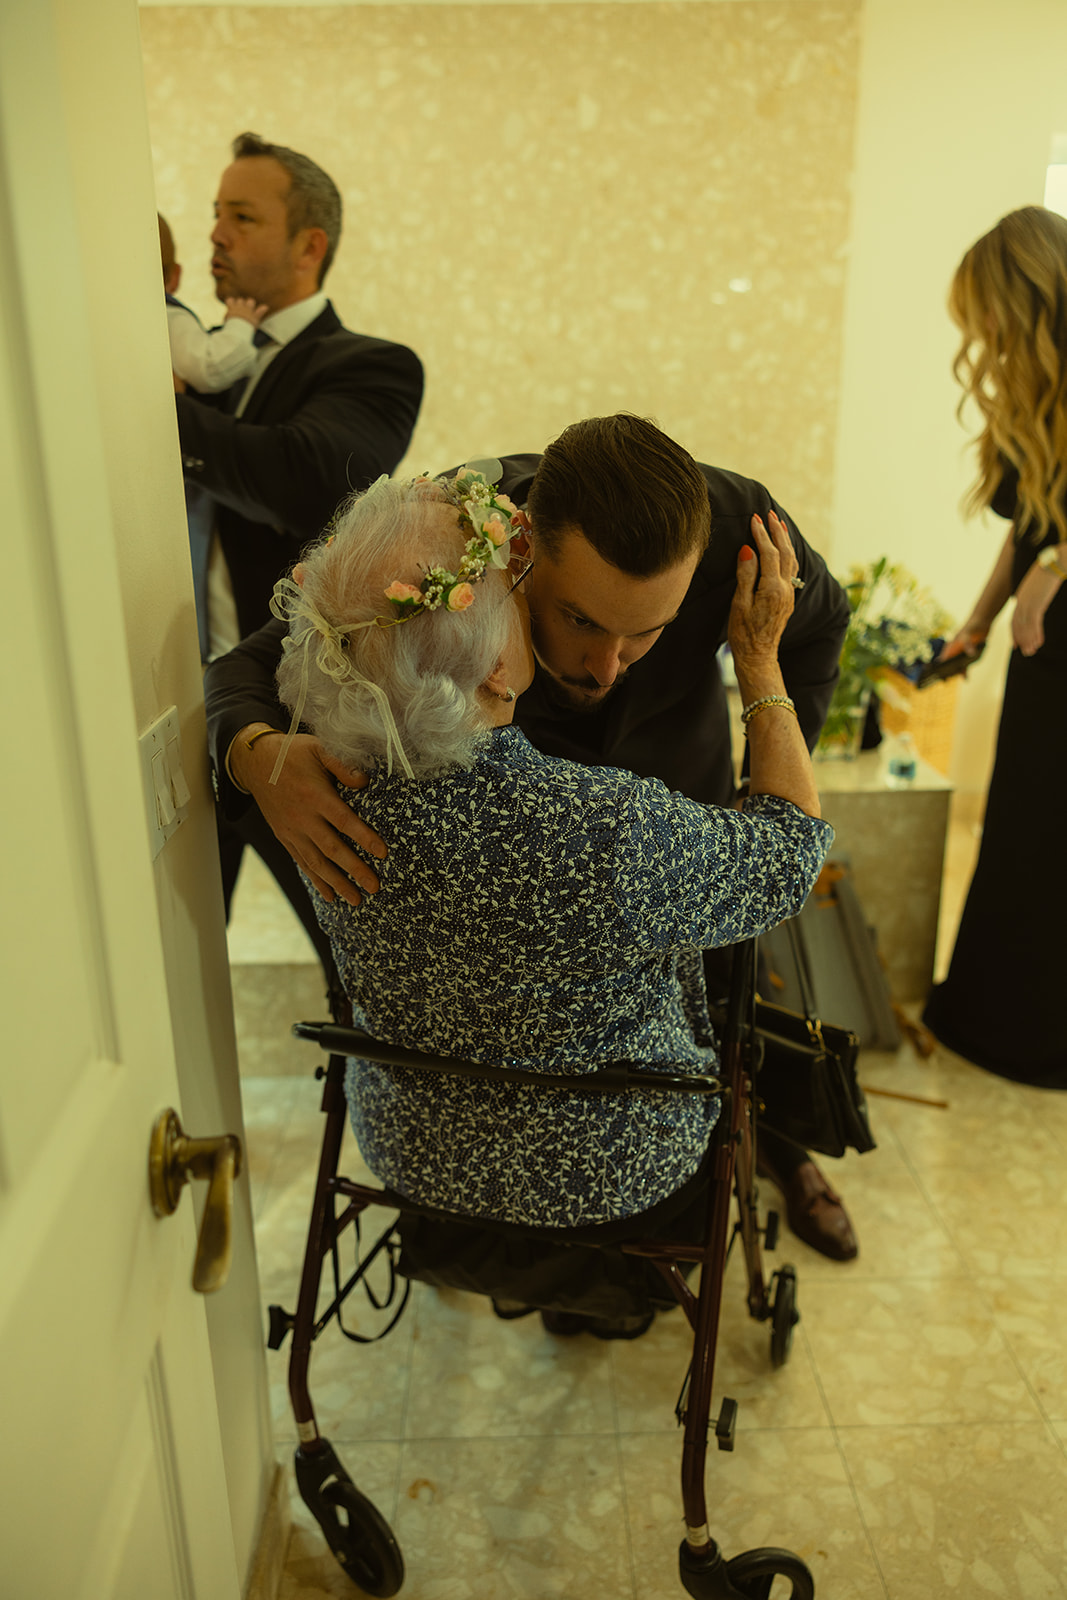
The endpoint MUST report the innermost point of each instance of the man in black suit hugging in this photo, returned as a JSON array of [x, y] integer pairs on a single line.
[[627, 676], [324, 411]]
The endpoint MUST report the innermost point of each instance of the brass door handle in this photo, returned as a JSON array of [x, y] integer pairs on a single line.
[[174, 1158]]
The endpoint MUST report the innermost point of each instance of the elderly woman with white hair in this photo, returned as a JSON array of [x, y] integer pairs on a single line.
[[533, 912]]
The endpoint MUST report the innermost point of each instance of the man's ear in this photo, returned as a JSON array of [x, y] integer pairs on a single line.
[[172, 278], [312, 252]]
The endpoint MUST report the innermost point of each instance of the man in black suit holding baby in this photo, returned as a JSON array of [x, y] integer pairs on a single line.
[[324, 411]]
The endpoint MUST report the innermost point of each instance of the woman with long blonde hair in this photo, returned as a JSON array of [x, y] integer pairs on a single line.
[[1000, 1005]]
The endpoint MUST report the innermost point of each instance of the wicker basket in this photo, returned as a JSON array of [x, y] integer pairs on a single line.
[[929, 715]]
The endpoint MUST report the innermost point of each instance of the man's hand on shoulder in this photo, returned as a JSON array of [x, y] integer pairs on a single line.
[[305, 811]]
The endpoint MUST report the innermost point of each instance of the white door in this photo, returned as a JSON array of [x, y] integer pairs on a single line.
[[111, 1480], [111, 1469]]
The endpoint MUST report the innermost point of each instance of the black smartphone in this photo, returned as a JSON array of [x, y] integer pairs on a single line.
[[935, 671]]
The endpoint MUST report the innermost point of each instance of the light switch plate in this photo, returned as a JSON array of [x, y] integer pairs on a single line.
[[165, 789]]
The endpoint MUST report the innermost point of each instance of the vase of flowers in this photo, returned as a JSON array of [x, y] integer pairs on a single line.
[[894, 622]]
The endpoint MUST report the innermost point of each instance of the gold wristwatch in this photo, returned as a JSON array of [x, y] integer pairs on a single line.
[[1049, 558]]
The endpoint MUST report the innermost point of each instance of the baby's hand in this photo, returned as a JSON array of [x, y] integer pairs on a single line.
[[247, 310]]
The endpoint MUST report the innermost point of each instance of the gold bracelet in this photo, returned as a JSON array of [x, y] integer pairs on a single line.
[[248, 743], [768, 700]]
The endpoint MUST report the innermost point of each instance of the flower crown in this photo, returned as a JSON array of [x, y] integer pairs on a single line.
[[493, 519]]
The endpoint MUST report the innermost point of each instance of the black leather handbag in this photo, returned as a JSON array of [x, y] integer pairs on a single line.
[[806, 1074]]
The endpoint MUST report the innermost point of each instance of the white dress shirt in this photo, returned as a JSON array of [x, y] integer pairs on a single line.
[[223, 630]]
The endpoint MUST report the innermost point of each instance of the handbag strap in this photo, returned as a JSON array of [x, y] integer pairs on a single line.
[[800, 963]]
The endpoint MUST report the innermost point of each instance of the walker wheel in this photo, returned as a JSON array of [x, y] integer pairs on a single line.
[[706, 1575], [785, 1315], [356, 1532], [753, 1573], [363, 1542]]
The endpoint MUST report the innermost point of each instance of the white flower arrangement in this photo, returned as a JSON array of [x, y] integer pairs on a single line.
[[894, 623]]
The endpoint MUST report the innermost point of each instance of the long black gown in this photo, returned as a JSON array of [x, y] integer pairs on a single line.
[[1003, 1004]]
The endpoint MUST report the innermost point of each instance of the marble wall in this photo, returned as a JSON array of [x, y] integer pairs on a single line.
[[565, 209]]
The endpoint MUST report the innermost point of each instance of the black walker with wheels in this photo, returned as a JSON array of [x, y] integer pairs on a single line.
[[357, 1534]]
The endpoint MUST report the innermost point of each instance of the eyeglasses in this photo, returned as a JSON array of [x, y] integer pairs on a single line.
[[523, 574]]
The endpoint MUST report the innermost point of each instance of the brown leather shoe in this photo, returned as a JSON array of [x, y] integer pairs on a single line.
[[814, 1212]]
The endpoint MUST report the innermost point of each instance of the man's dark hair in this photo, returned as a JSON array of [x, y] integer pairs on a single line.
[[313, 201], [639, 498]]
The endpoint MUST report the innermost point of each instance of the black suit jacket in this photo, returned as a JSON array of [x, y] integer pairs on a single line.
[[331, 413], [669, 719]]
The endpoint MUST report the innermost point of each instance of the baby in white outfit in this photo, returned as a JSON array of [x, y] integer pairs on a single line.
[[207, 359]]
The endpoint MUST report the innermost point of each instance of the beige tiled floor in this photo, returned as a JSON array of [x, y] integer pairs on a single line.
[[914, 1446]]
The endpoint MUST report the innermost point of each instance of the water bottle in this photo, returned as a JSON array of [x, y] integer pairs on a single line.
[[903, 761]]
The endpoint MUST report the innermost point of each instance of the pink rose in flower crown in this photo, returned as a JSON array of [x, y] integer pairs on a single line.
[[402, 593], [460, 596], [496, 530]]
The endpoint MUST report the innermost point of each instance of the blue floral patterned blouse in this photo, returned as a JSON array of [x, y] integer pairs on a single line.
[[545, 915]]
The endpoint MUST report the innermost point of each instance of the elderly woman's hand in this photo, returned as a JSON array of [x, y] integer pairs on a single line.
[[759, 614], [779, 763]]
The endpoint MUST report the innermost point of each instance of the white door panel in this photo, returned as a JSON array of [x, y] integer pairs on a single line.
[[111, 1474]]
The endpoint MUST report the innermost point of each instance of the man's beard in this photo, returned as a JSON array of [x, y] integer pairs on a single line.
[[570, 698]]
